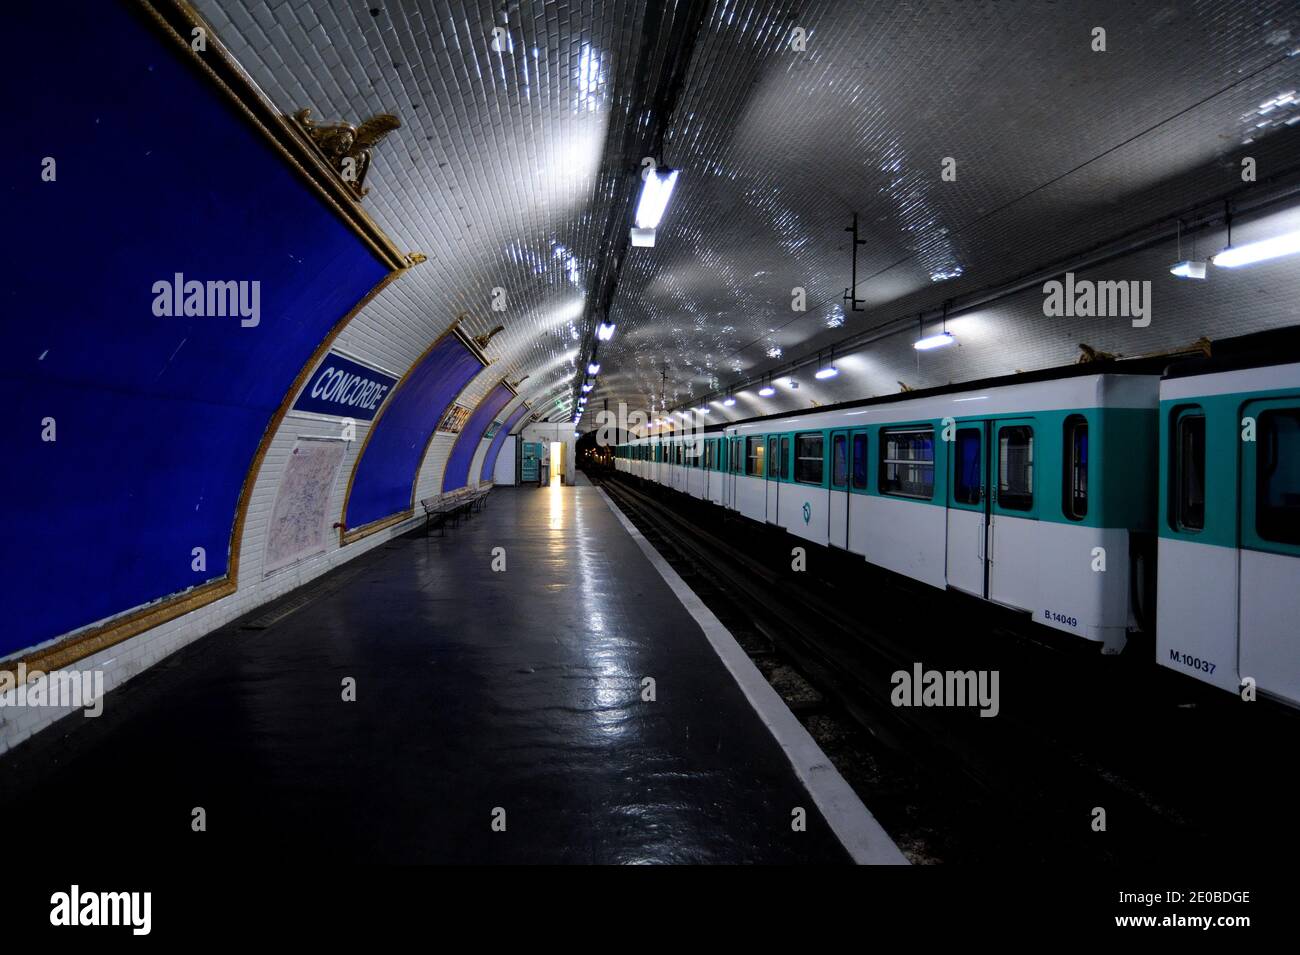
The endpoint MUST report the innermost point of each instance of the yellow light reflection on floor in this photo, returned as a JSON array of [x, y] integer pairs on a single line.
[[556, 490]]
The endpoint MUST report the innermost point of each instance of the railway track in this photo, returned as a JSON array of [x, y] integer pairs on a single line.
[[1073, 732]]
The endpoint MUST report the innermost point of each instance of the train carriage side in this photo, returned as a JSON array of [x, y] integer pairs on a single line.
[[1030, 495], [1229, 524]]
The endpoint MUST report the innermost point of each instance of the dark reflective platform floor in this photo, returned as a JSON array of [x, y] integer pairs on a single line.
[[476, 690]]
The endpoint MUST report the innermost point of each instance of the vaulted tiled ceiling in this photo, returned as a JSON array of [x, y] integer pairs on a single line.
[[506, 170]]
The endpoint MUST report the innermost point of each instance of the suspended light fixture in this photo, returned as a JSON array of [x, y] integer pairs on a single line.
[[933, 341], [605, 331], [593, 368], [702, 410], [656, 189], [1274, 248], [828, 370], [587, 386], [729, 401], [1187, 268], [767, 391], [926, 342]]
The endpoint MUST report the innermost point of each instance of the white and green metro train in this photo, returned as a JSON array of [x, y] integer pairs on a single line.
[[1100, 499]]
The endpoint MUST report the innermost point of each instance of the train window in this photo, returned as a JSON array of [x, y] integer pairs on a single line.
[[907, 462], [839, 460], [754, 457], [708, 455], [967, 476], [1016, 468], [1189, 471], [1075, 491], [773, 457], [1277, 492], [809, 457], [785, 458], [861, 464]]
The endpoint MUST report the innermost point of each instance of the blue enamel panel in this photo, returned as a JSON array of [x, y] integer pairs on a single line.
[[385, 475], [156, 418], [494, 449], [462, 453]]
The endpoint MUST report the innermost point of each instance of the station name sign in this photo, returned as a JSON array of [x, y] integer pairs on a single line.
[[344, 388]]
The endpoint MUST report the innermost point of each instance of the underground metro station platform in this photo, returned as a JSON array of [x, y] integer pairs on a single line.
[[714, 432]]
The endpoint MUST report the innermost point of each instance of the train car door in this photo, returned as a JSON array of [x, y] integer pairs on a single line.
[[737, 465], [1268, 648], [838, 512], [772, 486], [724, 462], [706, 468], [968, 509], [1014, 535]]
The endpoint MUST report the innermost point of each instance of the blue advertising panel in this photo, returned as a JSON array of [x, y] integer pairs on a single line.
[[384, 479], [345, 388], [462, 453], [494, 449], [136, 422]]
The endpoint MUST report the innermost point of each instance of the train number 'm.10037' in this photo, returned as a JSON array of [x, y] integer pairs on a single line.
[[1194, 663]]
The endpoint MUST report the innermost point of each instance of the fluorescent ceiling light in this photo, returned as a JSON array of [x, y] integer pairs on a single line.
[[643, 238], [605, 331], [934, 341], [830, 371], [587, 386], [729, 402], [1188, 269], [1231, 258], [767, 391], [593, 369], [656, 190]]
